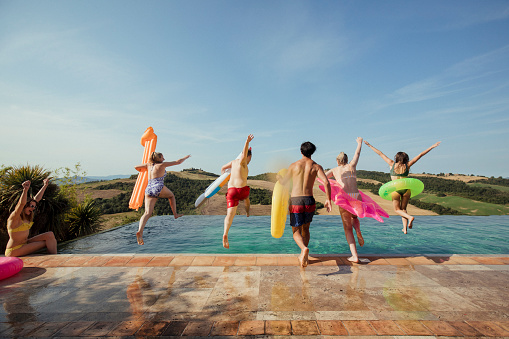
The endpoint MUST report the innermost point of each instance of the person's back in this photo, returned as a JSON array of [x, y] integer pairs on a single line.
[[303, 172], [239, 172], [346, 176]]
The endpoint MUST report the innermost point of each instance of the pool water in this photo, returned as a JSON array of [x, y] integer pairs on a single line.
[[203, 234]]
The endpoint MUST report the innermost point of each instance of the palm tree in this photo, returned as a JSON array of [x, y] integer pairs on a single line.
[[83, 219]]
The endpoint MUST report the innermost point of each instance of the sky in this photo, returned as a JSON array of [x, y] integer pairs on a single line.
[[80, 81]]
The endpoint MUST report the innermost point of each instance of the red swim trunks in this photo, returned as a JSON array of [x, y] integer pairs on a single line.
[[235, 194]]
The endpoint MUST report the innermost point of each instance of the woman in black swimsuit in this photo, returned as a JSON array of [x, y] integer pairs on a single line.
[[400, 167]]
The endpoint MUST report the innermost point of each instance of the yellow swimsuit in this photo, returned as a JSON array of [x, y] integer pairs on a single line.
[[23, 227]]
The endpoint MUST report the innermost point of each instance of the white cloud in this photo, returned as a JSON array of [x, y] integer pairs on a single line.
[[461, 77]]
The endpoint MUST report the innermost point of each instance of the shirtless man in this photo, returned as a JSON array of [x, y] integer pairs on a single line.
[[302, 203], [237, 187]]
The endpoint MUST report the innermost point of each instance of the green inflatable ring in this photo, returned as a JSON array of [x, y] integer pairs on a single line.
[[414, 185]]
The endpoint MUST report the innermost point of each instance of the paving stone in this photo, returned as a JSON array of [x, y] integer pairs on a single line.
[[198, 328], [331, 327], [224, 261], [251, 327], [398, 261], [441, 328], [288, 261], [126, 328], [203, 261], [359, 327], [19, 329], [159, 261], [175, 328], [266, 261], [97, 261], [465, 328], [386, 327], [48, 329], [488, 260], [413, 327], [464, 260], [99, 329], [74, 328], [118, 261], [304, 327], [278, 327], [245, 261], [54, 261], [152, 328], [225, 328], [76, 261], [182, 261], [139, 261], [489, 328]]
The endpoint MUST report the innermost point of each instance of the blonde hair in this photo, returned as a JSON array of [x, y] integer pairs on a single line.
[[342, 158], [23, 215], [155, 157]]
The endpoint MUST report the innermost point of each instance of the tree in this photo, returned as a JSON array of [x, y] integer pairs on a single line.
[[84, 216], [83, 219]]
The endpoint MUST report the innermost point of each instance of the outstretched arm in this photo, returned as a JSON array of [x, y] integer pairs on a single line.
[[226, 166], [141, 167], [329, 174], [39, 194], [22, 200], [414, 160], [246, 147], [177, 162], [326, 184], [357, 154], [383, 156]]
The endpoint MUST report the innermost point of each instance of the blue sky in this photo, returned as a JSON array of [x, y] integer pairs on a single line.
[[80, 81]]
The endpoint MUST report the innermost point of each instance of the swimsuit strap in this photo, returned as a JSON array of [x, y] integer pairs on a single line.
[[23, 227], [404, 174], [350, 174]]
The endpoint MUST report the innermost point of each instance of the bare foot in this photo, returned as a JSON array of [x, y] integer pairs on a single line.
[[353, 259], [247, 214], [139, 238], [410, 222], [360, 239], [303, 258], [404, 230], [176, 216], [226, 244]]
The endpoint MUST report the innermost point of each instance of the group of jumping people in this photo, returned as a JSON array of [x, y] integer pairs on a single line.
[[302, 206]]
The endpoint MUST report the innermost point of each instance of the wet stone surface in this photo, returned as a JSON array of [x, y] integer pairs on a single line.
[[148, 296]]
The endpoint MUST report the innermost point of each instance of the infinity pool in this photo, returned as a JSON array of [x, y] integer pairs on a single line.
[[203, 234]]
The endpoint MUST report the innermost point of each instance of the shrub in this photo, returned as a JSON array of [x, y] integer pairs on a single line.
[[83, 219]]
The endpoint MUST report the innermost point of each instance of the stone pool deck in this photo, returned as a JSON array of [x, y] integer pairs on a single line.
[[256, 296]]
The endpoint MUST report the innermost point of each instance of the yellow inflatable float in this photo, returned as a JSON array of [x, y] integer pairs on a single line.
[[279, 210], [148, 141]]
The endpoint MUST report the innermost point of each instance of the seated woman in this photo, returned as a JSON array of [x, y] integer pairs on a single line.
[[19, 223]]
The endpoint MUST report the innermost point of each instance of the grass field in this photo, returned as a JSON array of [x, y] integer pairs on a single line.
[[497, 187], [467, 206]]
